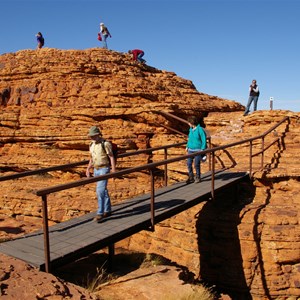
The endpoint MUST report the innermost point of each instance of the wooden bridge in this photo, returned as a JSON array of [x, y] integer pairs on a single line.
[[81, 236], [67, 241]]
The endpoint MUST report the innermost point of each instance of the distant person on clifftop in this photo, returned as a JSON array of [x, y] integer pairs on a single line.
[[105, 34], [196, 142], [101, 158], [253, 97], [40, 40], [137, 55]]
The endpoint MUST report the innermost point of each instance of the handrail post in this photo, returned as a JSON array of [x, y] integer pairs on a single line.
[[209, 154], [213, 176], [166, 167], [152, 198], [250, 158], [263, 152], [46, 234]]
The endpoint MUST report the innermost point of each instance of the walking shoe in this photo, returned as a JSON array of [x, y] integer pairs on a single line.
[[106, 214], [197, 180], [190, 180], [203, 158], [98, 218]]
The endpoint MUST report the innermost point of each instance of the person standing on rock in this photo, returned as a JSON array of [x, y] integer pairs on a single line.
[[253, 97], [105, 34], [137, 55], [101, 157], [196, 142], [40, 40]]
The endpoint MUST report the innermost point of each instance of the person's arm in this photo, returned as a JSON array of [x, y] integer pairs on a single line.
[[256, 89], [203, 138], [109, 153], [90, 165], [112, 162]]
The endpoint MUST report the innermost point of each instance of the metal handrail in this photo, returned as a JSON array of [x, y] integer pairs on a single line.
[[84, 162], [150, 166]]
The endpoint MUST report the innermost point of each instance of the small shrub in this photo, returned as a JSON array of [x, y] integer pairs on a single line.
[[153, 260]]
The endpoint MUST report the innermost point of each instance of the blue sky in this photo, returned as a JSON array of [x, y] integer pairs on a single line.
[[221, 45]]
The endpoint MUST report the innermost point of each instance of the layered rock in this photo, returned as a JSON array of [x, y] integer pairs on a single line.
[[248, 245]]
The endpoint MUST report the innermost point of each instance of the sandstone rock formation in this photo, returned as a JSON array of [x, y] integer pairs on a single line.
[[249, 246]]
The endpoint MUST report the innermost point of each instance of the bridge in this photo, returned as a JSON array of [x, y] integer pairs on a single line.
[[67, 241]]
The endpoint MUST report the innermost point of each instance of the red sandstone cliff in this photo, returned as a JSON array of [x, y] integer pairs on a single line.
[[55, 96]]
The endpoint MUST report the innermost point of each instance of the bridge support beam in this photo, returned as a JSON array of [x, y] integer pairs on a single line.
[[111, 254]]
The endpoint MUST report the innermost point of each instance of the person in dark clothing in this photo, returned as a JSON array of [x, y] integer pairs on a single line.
[[137, 55], [253, 97], [40, 40]]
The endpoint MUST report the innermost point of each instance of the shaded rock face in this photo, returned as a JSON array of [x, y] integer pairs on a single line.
[[246, 245]]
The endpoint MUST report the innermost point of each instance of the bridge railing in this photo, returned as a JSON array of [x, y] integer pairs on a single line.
[[149, 167]]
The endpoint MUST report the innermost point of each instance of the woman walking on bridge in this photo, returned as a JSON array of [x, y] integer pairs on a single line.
[[196, 142]]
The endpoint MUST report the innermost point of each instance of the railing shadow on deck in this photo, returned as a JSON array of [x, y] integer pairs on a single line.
[[150, 167]]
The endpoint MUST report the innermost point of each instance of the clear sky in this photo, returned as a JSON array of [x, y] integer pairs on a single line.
[[221, 45]]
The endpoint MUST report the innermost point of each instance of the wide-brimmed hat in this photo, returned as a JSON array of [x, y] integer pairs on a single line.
[[94, 130]]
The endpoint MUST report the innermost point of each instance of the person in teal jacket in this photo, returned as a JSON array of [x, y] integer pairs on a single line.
[[196, 142]]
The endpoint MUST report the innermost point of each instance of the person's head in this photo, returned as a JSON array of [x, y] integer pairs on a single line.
[[192, 120], [94, 133], [39, 34], [101, 24], [129, 51], [254, 81]]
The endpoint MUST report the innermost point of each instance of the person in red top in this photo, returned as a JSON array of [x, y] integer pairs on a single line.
[[137, 55]]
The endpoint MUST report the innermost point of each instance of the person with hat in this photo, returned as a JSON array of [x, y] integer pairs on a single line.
[[40, 40], [101, 158], [137, 55], [105, 34]]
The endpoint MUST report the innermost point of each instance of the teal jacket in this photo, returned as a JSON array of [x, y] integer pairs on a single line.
[[197, 138]]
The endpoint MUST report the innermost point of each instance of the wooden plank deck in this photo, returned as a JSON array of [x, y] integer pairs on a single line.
[[81, 236]]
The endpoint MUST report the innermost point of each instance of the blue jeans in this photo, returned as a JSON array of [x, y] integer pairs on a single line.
[[251, 99], [104, 38], [139, 57], [104, 204], [197, 161]]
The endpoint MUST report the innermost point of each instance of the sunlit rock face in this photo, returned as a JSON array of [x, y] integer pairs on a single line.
[[50, 98]]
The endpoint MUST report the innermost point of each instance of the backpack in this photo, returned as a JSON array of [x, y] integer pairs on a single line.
[[114, 148]]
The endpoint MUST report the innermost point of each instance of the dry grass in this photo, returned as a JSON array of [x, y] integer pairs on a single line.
[[200, 293], [102, 277]]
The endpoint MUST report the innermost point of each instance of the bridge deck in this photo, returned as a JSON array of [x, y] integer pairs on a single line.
[[81, 236]]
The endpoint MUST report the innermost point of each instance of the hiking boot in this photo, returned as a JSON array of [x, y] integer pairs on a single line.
[[107, 214], [190, 180], [98, 218], [197, 180]]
